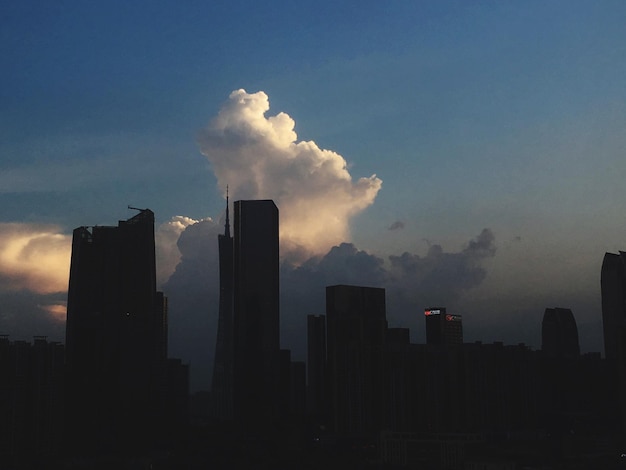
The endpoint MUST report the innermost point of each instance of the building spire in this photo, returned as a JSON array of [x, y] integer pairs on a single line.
[[227, 224]]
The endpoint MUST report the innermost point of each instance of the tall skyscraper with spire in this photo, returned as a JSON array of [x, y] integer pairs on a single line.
[[222, 383]]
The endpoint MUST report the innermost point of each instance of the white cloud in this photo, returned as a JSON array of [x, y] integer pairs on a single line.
[[167, 253], [259, 157]]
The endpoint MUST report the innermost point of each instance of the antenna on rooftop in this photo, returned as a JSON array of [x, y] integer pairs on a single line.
[[136, 208]]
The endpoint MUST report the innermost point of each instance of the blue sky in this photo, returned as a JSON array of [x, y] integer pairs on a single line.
[[501, 115]]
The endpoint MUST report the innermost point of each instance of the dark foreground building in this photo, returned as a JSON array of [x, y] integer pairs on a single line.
[[613, 287], [559, 333], [357, 327], [116, 339], [31, 402], [256, 313], [443, 328]]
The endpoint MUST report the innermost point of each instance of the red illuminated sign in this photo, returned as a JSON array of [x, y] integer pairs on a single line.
[[432, 312]]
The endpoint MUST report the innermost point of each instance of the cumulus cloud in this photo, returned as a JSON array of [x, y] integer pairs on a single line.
[[440, 276], [34, 257], [193, 293], [167, 253], [259, 157]]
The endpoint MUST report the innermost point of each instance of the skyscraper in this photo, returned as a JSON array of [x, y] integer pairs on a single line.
[[222, 383], [115, 331], [613, 287], [559, 333], [256, 310], [442, 327], [356, 330]]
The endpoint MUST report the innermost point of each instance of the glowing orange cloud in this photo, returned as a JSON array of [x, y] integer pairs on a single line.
[[34, 257], [56, 311]]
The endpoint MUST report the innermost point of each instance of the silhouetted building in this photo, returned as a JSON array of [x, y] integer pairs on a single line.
[[115, 338], [31, 402], [256, 312], [442, 327], [222, 383], [356, 332], [177, 403], [316, 367], [298, 389], [400, 377], [613, 287], [500, 388], [559, 333]]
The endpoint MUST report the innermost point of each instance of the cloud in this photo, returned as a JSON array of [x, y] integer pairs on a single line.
[[57, 311], [193, 295], [397, 225], [439, 276], [167, 253], [24, 314], [34, 257], [259, 157]]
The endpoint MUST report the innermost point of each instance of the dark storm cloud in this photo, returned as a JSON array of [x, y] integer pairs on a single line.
[[397, 225], [24, 314], [442, 274]]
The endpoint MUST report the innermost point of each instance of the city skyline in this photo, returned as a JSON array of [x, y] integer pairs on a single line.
[[495, 134]]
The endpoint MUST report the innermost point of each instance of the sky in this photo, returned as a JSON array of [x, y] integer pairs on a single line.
[[462, 154]]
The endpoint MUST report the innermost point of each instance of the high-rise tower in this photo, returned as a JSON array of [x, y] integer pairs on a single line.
[[222, 383], [613, 287], [115, 337], [256, 310]]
